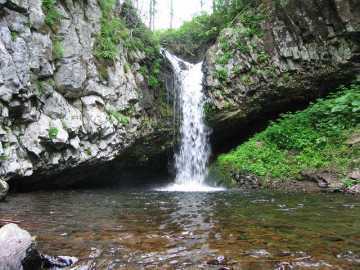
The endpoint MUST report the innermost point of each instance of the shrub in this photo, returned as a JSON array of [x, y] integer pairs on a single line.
[[311, 139]]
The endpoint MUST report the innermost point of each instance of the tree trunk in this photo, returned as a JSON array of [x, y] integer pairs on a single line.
[[171, 14]]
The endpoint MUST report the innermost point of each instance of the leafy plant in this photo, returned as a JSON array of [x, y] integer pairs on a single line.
[[311, 139], [348, 183], [52, 15], [221, 74], [119, 117], [53, 132]]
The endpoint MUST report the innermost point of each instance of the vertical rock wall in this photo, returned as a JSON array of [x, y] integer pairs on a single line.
[[60, 111]]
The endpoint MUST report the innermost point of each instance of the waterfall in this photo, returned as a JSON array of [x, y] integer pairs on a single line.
[[192, 158]]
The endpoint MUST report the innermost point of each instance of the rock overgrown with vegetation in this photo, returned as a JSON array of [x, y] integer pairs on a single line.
[[319, 138]]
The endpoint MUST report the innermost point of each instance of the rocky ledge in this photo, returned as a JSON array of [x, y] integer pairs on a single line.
[[62, 107], [277, 58]]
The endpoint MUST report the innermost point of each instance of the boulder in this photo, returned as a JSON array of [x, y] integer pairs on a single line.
[[18, 252], [15, 247], [354, 175], [4, 188], [324, 179]]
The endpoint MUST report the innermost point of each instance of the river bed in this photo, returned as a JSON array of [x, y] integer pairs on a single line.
[[144, 229]]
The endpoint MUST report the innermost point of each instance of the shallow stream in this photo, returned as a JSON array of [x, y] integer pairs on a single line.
[[145, 229]]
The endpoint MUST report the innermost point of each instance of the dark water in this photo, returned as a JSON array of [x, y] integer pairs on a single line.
[[117, 229]]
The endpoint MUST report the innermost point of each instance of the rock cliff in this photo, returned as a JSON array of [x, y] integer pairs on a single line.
[[278, 57], [61, 104]]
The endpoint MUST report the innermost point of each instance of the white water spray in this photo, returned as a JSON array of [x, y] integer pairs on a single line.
[[192, 158]]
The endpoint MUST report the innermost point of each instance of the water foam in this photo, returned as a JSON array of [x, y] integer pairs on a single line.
[[192, 158]]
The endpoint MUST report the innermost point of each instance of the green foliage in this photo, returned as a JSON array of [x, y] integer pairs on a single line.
[[3, 157], [119, 117], [133, 35], [193, 35], [112, 32], [53, 132], [52, 15], [13, 35], [311, 139], [221, 74], [263, 57], [40, 88], [348, 183], [58, 49], [224, 58]]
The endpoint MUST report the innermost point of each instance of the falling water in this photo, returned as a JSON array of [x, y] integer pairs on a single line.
[[193, 155]]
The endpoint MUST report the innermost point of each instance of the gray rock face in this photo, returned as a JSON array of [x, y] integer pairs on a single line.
[[57, 111], [286, 54]]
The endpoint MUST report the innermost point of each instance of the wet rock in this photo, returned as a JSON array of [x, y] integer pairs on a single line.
[[284, 266], [16, 247], [350, 256], [324, 179], [354, 189], [258, 253], [220, 260], [4, 189], [246, 180], [58, 261]]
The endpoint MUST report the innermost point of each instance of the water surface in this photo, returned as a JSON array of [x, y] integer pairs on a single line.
[[142, 229]]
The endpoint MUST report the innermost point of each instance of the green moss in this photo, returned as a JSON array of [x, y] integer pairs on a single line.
[[52, 16], [3, 157], [88, 151], [311, 139], [53, 132], [14, 35], [119, 117], [126, 68], [58, 49], [40, 88]]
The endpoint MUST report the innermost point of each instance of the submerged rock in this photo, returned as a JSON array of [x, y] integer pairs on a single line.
[[259, 253], [4, 188]]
